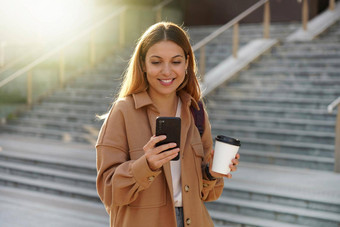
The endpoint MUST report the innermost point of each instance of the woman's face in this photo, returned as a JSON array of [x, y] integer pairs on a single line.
[[165, 66]]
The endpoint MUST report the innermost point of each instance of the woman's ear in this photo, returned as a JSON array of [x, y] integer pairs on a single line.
[[187, 62]]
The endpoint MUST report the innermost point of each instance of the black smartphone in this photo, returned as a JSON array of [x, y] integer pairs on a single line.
[[171, 128]]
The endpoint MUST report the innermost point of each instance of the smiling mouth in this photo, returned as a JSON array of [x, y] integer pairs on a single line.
[[166, 82]]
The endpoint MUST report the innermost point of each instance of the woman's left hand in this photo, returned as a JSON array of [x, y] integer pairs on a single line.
[[233, 167]]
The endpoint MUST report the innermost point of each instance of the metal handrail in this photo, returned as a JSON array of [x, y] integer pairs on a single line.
[[222, 29], [60, 47], [161, 5], [305, 11], [235, 23], [159, 9], [330, 108], [333, 104]]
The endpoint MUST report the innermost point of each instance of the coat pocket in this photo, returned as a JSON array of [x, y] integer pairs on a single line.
[[199, 156], [155, 195]]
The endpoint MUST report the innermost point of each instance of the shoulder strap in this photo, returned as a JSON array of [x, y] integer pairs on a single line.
[[198, 117]]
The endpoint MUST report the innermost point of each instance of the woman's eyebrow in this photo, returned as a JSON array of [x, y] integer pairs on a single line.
[[156, 56]]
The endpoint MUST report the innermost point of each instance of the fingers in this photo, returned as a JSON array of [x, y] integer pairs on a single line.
[[155, 156], [152, 142]]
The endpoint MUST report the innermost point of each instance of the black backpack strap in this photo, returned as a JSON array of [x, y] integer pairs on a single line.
[[198, 117]]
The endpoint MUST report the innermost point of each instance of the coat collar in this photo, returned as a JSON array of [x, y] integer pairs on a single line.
[[142, 99]]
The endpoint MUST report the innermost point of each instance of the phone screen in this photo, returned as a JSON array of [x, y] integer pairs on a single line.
[[171, 128]]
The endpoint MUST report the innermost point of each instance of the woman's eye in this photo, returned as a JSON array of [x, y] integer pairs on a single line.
[[155, 62], [177, 62]]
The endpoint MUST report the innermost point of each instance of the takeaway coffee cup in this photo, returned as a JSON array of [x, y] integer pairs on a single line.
[[226, 149]]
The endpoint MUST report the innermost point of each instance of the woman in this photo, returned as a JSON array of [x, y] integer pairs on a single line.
[[137, 182]]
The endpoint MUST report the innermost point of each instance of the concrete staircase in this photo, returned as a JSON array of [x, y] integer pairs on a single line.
[[221, 47], [278, 109], [70, 114]]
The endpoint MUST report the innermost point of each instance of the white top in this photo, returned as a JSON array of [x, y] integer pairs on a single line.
[[176, 170]]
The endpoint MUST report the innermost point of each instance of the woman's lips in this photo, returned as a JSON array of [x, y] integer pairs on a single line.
[[166, 82]]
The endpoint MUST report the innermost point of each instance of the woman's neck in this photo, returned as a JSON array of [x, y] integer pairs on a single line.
[[166, 105]]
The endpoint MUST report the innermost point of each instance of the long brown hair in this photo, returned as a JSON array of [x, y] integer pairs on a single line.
[[134, 79]]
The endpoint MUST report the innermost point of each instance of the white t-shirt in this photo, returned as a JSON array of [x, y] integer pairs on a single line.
[[176, 170]]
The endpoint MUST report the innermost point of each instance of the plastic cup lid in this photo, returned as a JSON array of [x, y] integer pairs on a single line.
[[229, 140]]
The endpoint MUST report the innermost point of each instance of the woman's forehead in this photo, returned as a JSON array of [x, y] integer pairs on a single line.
[[165, 49]]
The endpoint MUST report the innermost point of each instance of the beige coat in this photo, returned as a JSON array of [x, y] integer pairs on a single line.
[[134, 195]]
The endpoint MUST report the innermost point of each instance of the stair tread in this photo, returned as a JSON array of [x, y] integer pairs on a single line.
[[289, 143], [49, 185], [247, 220], [273, 130], [47, 171], [281, 209], [272, 119], [315, 185], [215, 105], [289, 156]]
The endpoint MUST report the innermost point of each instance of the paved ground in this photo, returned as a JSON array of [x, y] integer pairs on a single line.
[[31, 209], [19, 207], [22, 207]]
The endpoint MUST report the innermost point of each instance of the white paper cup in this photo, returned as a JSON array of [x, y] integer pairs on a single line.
[[226, 149]]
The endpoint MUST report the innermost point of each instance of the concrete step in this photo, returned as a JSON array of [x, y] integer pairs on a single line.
[[49, 187], [284, 194], [269, 111], [307, 55], [77, 99], [48, 174], [308, 46], [276, 212], [282, 146], [222, 219], [260, 132], [296, 91], [274, 194], [297, 71], [317, 103], [272, 122], [40, 156], [286, 80], [333, 62], [55, 124], [288, 159], [50, 134], [97, 108], [41, 209]]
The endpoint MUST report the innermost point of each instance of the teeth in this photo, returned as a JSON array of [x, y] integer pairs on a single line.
[[167, 81]]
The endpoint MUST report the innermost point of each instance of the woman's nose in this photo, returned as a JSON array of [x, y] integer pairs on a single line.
[[166, 70]]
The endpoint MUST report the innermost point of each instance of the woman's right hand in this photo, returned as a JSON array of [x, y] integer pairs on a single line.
[[154, 155]]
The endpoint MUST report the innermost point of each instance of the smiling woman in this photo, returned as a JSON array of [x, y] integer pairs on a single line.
[[43, 19]]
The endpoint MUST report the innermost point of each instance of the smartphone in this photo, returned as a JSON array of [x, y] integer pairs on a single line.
[[171, 128]]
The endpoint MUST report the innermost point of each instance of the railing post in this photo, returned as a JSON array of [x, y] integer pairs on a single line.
[[337, 143], [61, 68], [331, 5], [2, 54], [202, 62], [159, 15], [235, 40], [122, 28], [305, 12], [29, 88], [266, 20], [92, 49]]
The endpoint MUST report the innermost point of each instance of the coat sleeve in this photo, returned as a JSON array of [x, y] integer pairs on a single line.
[[212, 190], [119, 179]]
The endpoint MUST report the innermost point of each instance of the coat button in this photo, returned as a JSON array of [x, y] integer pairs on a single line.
[[186, 188], [188, 221], [150, 179]]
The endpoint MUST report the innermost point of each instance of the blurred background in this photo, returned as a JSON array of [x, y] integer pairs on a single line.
[[270, 72]]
